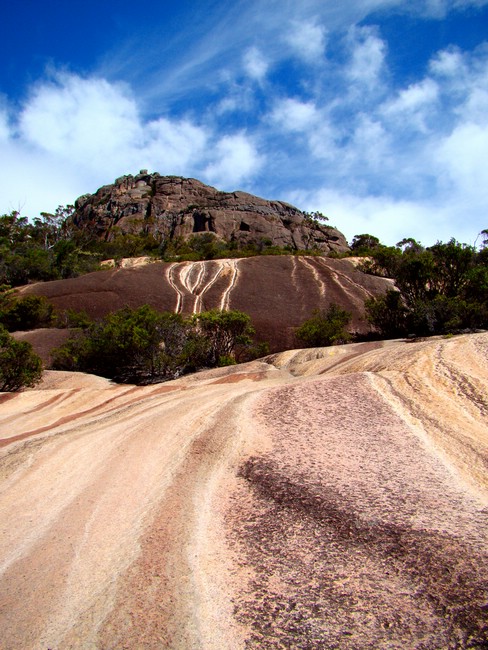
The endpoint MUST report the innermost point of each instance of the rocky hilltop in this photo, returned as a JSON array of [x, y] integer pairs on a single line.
[[170, 206]]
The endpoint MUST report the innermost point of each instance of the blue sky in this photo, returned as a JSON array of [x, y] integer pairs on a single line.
[[374, 112]]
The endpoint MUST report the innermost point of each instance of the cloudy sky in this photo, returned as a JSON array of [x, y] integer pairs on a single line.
[[374, 112]]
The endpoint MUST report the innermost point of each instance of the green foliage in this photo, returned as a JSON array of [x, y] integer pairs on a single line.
[[388, 314], [127, 345], [143, 345], [31, 312], [325, 328], [20, 367], [207, 246], [443, 288], [73, 319], [316, 218], [222, 331], [49, 248], [364, 244]]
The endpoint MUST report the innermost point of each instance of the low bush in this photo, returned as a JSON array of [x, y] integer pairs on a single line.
[[20, 367]]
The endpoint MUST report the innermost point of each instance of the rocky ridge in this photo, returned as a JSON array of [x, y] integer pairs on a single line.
[[169, 207]]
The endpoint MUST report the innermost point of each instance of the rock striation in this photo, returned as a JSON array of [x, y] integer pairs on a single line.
[[279, 292], [168, 207], [326, 498]]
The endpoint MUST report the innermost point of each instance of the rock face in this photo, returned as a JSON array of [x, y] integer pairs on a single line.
[[320, 499], [170, 206], [279, 292]]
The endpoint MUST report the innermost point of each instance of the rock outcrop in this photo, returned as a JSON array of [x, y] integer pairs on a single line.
[[170, 206], [327, 498], [279, 292]]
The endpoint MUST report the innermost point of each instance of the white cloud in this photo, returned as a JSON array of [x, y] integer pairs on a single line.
[[415, 97], [463, 157], [389, 218], [438, 9], [448, 63], [255, 64], [293, 115], [414, 105], [370, 145], [367, 57], [4, 127], [80, 118], [75, 134], [307, 40], [476, 107], [235, 160], [171, 145]]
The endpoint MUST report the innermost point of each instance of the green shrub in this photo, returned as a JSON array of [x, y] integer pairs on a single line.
[[143, 345], [20, 367], [27, 313], [325, 328]]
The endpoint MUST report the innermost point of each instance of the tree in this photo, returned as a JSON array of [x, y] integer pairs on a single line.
[[388, 314], [143, 345], [452, 263], [20, 367], [30, 312], [325, 327], [364, 244], [222, 331], [137, 345]]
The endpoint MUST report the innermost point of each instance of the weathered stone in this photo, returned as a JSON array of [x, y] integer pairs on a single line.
[[171, 206], [278, 292]]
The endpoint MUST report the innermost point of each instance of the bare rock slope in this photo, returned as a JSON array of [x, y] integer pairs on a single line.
[[171, 206], [332, 498], [278, 292]]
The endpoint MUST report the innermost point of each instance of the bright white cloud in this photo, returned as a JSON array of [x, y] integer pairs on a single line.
[[306, 40], [171, 144], [80, 118], [463, 156], [235, 160], [294, 115], [387, 217], [255, 64], [81, 133]]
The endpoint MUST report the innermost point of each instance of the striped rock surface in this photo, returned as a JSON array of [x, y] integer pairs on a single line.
[[278, 292], [329, 498]]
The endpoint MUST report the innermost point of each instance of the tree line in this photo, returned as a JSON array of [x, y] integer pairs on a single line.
[[440, 289], [51, 247]]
